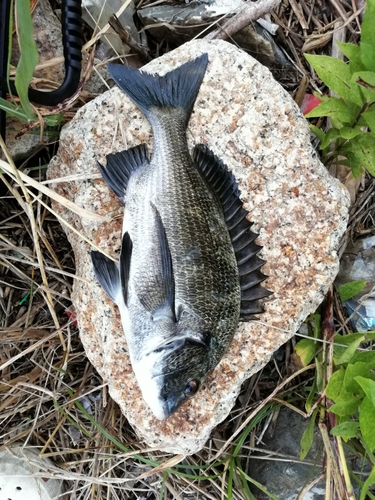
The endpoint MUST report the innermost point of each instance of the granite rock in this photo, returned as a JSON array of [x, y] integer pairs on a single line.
[[298, 209]]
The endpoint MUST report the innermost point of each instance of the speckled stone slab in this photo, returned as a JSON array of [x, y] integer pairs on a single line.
[[300, 212]]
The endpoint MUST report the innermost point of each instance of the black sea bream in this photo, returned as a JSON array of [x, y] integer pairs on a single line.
[[188, 268]]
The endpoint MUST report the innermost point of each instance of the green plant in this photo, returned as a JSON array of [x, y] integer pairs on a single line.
[[351, 139], [349, 391], [25, 67]]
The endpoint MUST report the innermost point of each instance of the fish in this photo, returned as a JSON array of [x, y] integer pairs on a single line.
[[188, 269]]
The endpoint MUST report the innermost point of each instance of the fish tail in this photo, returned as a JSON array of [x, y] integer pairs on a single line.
[[176, 89]]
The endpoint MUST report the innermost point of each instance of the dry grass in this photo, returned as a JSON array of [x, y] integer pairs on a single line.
[[52, 399]]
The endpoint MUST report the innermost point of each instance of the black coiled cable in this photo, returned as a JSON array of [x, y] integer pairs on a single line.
[[72, 44]]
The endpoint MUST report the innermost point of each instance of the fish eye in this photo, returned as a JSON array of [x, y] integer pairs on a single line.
[[191, 388]]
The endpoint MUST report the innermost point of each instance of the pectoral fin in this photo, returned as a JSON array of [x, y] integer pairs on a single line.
[[157, 296]]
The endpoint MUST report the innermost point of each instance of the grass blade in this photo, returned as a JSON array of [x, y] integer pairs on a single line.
[[29, 54]]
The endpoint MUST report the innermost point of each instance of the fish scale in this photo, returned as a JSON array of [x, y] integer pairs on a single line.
[[178, 285]]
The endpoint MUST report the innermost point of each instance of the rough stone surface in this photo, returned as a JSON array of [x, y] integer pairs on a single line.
[[300, 212], [283, 474]]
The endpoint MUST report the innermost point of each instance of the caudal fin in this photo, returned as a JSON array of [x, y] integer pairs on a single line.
[[176, 89]]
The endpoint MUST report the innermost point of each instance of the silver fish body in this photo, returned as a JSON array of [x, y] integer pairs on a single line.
[[178, 282]]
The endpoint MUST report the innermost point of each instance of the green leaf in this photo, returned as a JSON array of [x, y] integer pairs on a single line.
[[331, 135], [346, 430], [308, 436], [366, 422], [355, 164], [318, 132], [369, 117], [353, 53], [305, 349], [335, 384], [258, 485], [349, 132], [13, 110], [54, 120], [310, 398], [366, 485], [367, 77], [363, 151], [364, 357], [352, 371], [351, 289], [343, 355], [29, 55], [333, 107], [349, 406], [337, 76], [368, 36], [368, 386]]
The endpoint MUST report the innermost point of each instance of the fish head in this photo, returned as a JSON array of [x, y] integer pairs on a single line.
[[173, 372]]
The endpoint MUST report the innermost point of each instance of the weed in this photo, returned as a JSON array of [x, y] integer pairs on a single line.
[[351, 139]]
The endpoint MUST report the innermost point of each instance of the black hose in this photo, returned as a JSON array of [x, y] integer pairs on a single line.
[[72, 45]]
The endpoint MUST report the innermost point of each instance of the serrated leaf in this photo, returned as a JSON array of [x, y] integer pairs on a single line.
[[369, 78], [368, 386], [369, 117], [353, 53], [343, 355], [346, 430], [308, 436], [318, 132], [366, 422], [305, 349], [367, 43], [29, 54], [334, 107], [13, 110], [349, 132], [351, 289], [334, 385], [337, 76]]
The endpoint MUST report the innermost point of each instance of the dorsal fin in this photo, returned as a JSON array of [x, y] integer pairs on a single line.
[[224, 185], [120, 166]]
